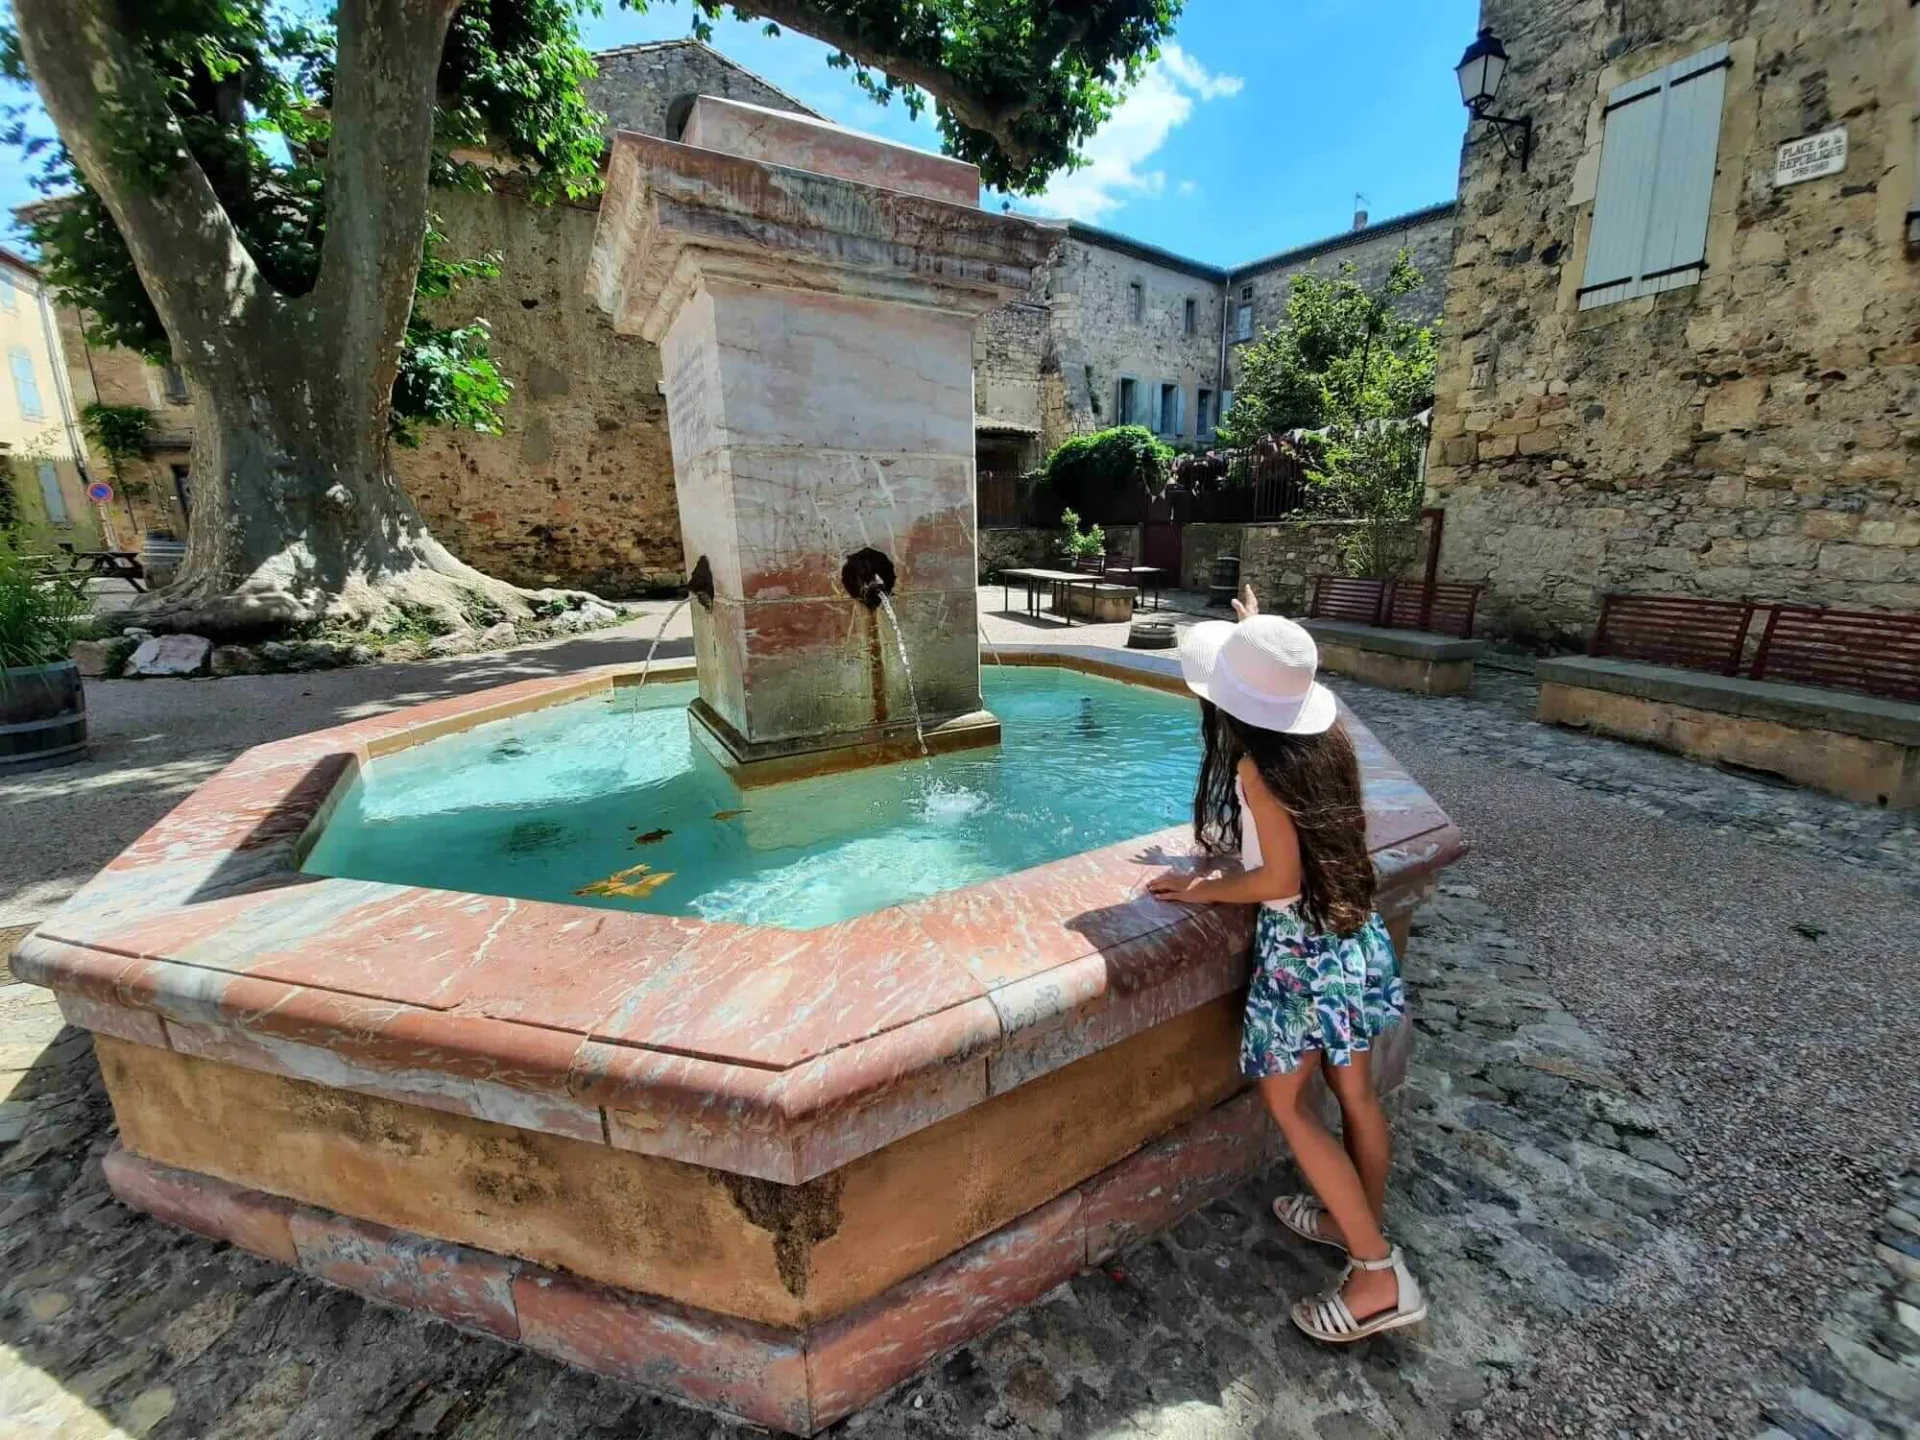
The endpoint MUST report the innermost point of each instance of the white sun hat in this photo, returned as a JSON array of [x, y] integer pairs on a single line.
[[1259, 671]]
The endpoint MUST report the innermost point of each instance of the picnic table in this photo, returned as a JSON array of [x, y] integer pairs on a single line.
[[1058, 583], [107, 565]]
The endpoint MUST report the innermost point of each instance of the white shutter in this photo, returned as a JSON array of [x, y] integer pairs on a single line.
[[1656, 181]]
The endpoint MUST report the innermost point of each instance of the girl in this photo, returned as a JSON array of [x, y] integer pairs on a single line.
[[1280, 786]]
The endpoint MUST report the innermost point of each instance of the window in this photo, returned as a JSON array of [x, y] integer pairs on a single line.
[[1126, 401], [1136, 302], [1656, 181], [50, 495], [1226, 405], [6, 289], [183, 488], [175, 383], [1173, 407], [1191, 322], [26, 390], [1203, 414], [1243, 317]]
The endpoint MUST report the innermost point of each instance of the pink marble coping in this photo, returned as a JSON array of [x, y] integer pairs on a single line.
[[775, 1053], [804, 143], [798, 1381]]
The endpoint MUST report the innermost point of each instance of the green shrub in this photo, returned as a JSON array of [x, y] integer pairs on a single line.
[[1081, 544], [39, 617], [1089, 473]]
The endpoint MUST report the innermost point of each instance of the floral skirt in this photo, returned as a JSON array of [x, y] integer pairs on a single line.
[[1314, 991]]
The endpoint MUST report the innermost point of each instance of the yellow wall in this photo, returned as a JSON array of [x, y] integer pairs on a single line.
[[38, 423]]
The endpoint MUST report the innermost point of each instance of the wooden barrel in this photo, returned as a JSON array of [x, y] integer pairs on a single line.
[[1226, 580], [43, 716]]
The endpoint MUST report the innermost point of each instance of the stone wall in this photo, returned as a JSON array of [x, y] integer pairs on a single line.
[[578, 489], [1030, 546], [1281, 558], [1426, 235], [1753, 435]]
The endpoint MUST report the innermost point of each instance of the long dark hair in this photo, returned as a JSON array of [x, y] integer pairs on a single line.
[[1316, 779]]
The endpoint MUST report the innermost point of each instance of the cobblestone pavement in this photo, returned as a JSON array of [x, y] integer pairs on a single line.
[[1667, 1084], [1532, 1184]]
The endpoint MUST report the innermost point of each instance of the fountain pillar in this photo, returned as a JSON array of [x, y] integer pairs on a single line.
[[816, 332]]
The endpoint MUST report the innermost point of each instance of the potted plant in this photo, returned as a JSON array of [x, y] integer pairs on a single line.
[[43, 707]]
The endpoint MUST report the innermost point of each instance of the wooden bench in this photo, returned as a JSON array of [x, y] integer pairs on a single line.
[[1675, 630], [1830, 698], [1401, 634], [1442, 608], [1869, 651]]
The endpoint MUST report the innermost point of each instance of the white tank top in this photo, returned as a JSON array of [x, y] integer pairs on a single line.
[[1250, 845]]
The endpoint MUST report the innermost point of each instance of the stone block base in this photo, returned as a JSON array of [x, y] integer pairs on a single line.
[[1102, 604], [1864, 769], [752, 763], [1398, 672], [797, 1380]]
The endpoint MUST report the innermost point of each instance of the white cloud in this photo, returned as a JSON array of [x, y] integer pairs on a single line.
[[1117, 171], [1187, 187]]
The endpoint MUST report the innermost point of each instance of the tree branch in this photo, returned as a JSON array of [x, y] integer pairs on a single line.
[[101, 92], [974, 110], [377, 174]]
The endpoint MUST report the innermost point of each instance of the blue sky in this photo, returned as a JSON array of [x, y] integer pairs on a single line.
[[1253, 132]]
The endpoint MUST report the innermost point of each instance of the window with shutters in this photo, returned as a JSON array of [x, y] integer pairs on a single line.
[[1657, 160], [1203, 414], [51, 496], [1172, 409], [1243, 317], [26, 389], [1126, 401]]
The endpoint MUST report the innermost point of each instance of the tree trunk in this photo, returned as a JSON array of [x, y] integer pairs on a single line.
[[297, 515]]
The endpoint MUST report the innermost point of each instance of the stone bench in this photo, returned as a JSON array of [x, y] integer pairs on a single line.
[[1856, 746], [1397, 659]]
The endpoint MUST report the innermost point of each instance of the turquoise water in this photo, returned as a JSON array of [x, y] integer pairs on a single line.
[[542, 806]]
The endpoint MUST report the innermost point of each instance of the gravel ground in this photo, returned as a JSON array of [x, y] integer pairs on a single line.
[[1763, 992], [1742, 954]]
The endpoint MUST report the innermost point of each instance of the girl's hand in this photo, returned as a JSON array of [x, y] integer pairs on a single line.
[[1248, 605], [1174, 885]]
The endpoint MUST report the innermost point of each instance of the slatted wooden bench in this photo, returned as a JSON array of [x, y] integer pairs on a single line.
[[1401, 634], [1826, 698], [1869, 651]]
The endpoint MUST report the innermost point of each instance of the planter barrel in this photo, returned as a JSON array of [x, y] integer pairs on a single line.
[[43, 716]]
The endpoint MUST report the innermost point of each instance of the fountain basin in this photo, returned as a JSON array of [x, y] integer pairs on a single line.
[[770, 1171]]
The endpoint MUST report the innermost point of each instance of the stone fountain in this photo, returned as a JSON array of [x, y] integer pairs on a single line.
[[813, 293], [771, 1172]]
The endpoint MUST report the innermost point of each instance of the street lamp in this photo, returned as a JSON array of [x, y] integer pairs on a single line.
[[1481, 70]]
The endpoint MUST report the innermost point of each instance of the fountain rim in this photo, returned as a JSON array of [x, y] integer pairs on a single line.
[[629, 1028]]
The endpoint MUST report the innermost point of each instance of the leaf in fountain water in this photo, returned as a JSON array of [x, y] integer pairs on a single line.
[[652, 837], [636, 882], [728, 814]]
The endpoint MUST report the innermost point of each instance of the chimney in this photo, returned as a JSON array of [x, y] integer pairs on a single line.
[[1359, 212]]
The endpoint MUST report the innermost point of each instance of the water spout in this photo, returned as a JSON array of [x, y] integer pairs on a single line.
[[989, 644], [660, 635], [906, 669]]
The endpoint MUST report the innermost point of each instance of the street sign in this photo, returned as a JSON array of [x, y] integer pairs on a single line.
[[100, 492], [1811, 157]]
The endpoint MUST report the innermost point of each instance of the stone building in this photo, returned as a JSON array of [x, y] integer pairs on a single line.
[[578, 489], [1677, 358], [43, 476], [1120, 332]]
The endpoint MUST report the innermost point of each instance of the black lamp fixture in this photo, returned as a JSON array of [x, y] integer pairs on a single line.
[[1481, 70]]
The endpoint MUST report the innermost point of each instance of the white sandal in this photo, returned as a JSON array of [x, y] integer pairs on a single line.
[[1327, 1318], [1302, 1214]]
